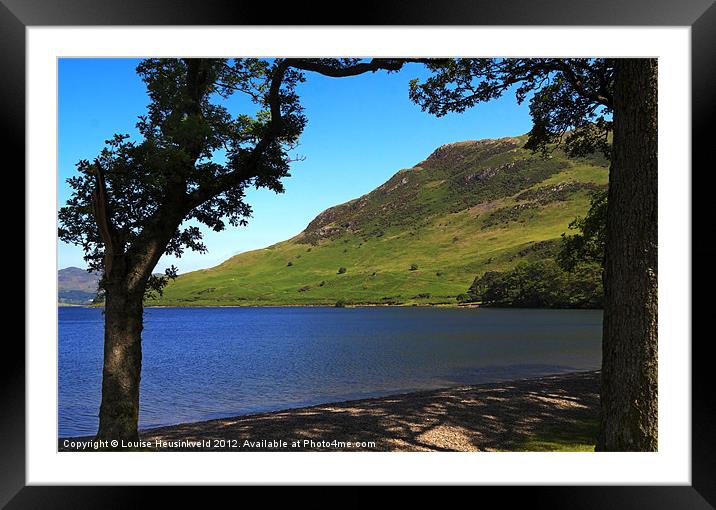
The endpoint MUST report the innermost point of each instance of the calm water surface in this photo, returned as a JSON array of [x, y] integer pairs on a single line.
[[203, 363]]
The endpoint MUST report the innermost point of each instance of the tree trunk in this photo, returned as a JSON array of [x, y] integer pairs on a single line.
[[119, 410], [629, 344]]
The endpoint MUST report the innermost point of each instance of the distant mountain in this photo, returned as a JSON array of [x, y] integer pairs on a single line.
[[76, 286], [421, 237]]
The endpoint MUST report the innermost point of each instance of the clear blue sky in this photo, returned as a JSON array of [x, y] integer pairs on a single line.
[[360, 131]]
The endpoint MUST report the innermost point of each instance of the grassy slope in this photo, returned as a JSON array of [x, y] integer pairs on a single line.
[[433, 215]]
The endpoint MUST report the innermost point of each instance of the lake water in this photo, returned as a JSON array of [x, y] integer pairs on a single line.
[[204, 363]]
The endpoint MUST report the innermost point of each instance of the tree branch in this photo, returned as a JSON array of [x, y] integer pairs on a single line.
[[249, 167], [376, 64], [102, 216], [577, 83], [326, 69]]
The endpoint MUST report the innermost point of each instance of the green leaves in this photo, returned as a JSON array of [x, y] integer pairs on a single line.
[[540, 284], [193, 161], [587, 245], [157, 282], [570, 99]]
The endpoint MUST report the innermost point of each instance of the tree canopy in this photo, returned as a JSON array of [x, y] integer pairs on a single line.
[[570, 100], [195, 159]]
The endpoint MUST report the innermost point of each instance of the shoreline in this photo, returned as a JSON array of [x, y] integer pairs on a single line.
[[556, 412], [327, 305], [377, 305]]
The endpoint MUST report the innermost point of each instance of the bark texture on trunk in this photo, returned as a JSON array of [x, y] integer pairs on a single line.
[[125, 282], [119, 410], [629, 345]]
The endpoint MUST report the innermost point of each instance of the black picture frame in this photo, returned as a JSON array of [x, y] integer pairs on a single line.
[[700, 15]]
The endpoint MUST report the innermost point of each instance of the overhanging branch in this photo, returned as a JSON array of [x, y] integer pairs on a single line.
[[251, 165], [324, 68]]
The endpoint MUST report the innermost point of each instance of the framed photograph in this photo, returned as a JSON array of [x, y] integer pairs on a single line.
[[449, 244]]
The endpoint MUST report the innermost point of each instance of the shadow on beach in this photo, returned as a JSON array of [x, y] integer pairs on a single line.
[[485, 417]]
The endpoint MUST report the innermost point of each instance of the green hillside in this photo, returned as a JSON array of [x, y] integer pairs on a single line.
[[421, 237]]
